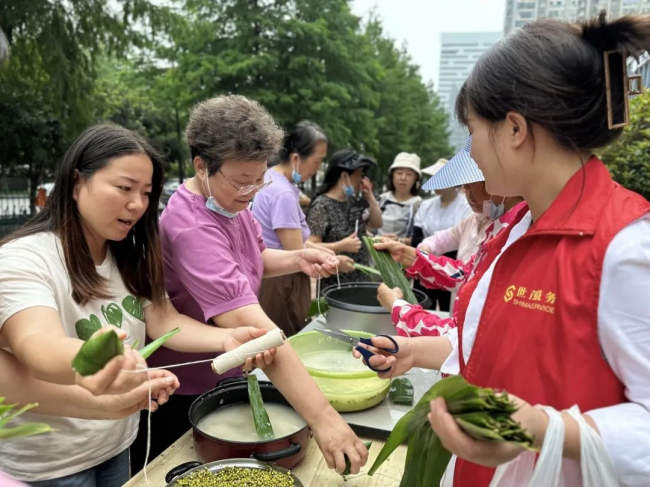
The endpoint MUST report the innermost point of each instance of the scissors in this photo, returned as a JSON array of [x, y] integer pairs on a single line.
[[337, 334]]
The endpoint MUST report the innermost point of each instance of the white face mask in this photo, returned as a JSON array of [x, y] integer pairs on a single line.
[[212, 205], [492, 211]]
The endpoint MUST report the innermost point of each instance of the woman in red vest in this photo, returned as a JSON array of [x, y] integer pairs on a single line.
[[556, 311]]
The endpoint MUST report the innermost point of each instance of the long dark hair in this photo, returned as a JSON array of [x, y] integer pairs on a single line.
[[302, 140], [553, 73], [138, 257]]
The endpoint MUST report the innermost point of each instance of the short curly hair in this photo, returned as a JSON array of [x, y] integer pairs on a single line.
[[232, 127]]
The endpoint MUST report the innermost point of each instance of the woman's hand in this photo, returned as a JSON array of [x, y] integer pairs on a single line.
[[244, 334], [117, 376], [401, 253], [346, 264], [366, 189], [336, 439], [317, 263], [119, 406], [399, 363], [350, 244], [485, 452], [387, 296]]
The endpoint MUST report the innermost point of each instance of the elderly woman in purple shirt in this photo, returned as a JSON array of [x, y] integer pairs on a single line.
[[285, 299], [214, 262]]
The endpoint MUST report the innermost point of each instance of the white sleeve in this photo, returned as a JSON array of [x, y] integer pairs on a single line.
[[624, 330], [451, 365], [25, 280]]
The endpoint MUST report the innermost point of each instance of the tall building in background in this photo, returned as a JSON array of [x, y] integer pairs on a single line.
[[520, 12], [459, 53]]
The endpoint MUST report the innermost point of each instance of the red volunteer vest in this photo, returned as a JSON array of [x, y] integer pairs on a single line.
[[538, 336]]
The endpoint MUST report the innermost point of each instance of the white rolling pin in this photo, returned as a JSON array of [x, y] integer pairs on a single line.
[[237, 357]]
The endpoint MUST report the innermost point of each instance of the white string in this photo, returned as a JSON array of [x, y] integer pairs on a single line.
[[318, 295], [337, 275], [165, 367], [146, 457]]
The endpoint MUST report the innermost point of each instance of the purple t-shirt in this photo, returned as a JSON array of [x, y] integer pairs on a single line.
[[277, 206], [212, 265]]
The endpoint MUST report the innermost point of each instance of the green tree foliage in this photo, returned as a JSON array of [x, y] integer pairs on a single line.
[[144, 67], [46, 85], [629, 158]]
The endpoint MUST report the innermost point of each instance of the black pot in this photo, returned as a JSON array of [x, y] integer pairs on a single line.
[[355, 307], [286, 451]]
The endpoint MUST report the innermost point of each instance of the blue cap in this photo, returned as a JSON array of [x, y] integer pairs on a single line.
[[461, 169]]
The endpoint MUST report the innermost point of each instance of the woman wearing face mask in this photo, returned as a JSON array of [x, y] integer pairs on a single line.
[[432, 269], [400, 204], [444, 211], [285, 299], [337, 218], [215, 259], [556, 312], [91, 258]]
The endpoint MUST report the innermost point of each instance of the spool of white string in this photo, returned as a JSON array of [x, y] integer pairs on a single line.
[[238, 356]]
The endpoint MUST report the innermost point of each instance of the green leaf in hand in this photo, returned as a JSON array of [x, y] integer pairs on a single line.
[[96, 352], [156, 344], [348, 465], [85, 328]]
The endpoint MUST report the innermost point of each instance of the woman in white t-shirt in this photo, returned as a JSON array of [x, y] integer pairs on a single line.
[[92, 258], [400, 204]]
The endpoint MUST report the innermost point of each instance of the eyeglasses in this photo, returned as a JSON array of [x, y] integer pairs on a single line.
[[246, 190]]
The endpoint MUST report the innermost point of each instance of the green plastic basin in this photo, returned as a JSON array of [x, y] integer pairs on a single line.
[[347, 391]]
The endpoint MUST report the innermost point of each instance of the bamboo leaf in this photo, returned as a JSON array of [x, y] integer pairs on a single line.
[[96, 352], [369, 271], [437, 461], [146, 351], [391, 272], [260, 416], [401, 391], [318, 306], [348, 465], [27, 429]]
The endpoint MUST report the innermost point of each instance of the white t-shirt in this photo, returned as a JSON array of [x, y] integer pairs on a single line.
[[397, 216], [432, 217], [33, 273]]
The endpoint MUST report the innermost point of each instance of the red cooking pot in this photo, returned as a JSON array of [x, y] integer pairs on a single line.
[[286, 451]]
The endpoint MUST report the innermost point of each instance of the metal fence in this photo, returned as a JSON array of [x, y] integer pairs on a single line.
[[14, 204]]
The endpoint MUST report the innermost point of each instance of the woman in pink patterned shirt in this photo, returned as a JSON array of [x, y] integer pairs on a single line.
[[429, 266]]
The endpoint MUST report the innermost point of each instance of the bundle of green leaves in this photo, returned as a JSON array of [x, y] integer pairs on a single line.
[[481, 412]]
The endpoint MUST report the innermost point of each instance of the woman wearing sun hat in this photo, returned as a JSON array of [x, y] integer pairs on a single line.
[[402, 200], [434, 271]]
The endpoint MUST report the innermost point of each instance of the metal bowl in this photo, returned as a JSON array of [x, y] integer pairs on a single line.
[[185, 469], [354, 306]]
